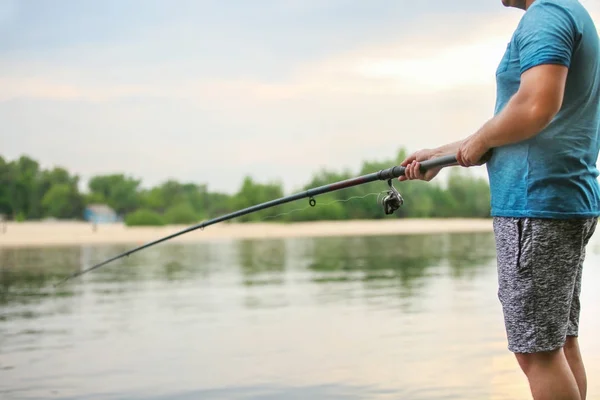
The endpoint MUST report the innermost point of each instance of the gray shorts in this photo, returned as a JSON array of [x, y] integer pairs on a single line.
[[539, 279]]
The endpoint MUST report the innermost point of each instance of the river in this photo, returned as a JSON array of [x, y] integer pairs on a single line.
[[391, 317]]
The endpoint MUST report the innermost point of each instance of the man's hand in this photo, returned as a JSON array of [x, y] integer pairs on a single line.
[[412, 165], [472, 151]]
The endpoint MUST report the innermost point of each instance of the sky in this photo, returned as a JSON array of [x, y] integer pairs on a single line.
[[211, 91]]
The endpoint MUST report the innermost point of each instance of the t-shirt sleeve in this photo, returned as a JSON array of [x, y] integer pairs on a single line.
[[547, 34]]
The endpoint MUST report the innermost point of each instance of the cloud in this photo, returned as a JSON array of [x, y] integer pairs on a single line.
[[405, 64], [113, 107], [326, 113]]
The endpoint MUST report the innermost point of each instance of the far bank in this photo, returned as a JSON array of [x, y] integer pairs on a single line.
[[58, 233]]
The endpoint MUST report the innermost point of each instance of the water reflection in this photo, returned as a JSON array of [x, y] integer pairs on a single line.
[[404, 263], [26, 275], [262, 262], [469, 254], [404, 259], [331, 318], [170, 262], [393, 266]]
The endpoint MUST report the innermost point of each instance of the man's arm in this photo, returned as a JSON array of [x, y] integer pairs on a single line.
[[530, 110], [526, 114], [545, 39], [446, 150]]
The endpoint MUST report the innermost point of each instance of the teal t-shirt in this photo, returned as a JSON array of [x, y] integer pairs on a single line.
[[553, 174]]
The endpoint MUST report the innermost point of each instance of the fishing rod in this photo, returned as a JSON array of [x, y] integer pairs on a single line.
[[391, 202]]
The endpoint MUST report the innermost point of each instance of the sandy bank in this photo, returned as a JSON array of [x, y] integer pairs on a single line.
[[77, 233]]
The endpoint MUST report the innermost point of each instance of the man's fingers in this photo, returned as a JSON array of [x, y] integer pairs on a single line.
[[412, 171], [409, 160], [416, 170], [459, 157], [407, 164], [408, 172], [418, 173], [466, 161]]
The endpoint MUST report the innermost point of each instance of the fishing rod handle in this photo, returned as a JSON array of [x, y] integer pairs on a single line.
[[399, 170], [444, 161]]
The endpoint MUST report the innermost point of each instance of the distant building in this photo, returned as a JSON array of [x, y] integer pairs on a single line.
[[100, 214]]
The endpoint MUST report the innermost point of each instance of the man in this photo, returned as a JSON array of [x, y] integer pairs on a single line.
[[541, 149]]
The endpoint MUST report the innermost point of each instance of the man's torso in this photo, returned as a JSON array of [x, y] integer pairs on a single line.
[[553, 174]]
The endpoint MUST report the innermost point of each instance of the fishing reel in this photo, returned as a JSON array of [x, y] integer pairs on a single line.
[[392, 200]]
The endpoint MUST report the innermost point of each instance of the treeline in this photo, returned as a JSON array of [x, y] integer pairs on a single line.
[[28, 192]]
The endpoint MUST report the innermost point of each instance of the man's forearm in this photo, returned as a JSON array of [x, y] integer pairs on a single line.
[[520, 120], [448, 149]]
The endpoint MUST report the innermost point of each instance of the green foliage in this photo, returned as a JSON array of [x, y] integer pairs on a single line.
[[153, 199], [182, 213], [120, 192], [325, 209], [252, 193], [5, 188], [29, 192], [23, 187], [171, 193], [472, 196], [144, 217], [94, 198], [59, 201]]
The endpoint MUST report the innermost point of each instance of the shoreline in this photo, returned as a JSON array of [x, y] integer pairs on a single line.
[[69, 233]]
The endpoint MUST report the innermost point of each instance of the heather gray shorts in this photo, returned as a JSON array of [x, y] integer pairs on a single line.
[[539, 279]]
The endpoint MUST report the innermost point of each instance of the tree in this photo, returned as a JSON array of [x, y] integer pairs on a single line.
[[59, 185], [120, 192], [182, 213], [252, 193], [153, 199], [28, 191], [5, 188], [471, 196], [23, 174], [60, 201], [218, 204], [144, 217]]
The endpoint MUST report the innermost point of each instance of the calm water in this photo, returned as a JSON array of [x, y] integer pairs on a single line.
[[325, 318]]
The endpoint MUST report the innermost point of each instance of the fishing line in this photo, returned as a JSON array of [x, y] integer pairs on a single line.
[[325, 204]]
